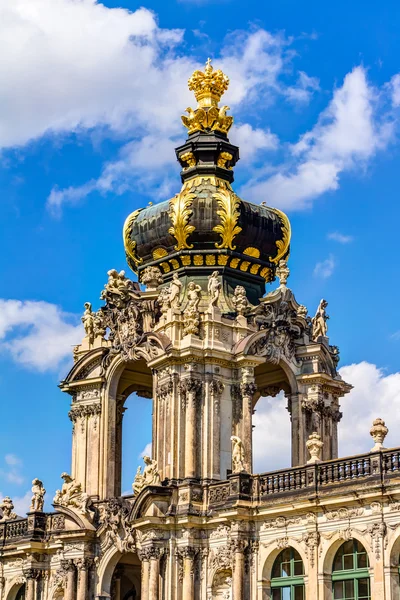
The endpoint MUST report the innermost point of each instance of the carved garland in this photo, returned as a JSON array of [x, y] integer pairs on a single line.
[[229, 214], [130, 245], [180, 213]]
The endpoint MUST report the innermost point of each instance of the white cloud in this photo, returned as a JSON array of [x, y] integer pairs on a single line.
[[347, 135], [12, 460], [325, 268], [375, 394], [304, 89], [251, 140], [146, 450], [12, 471], [38, 335], [21, 503], [336, 236]]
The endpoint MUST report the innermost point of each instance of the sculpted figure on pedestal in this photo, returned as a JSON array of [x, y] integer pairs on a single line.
[[88, 322], [175, 291], [319, 322], [72, 496], [214, 289], [237, 455], [150, 475], [7, 508], [283, 272], [38, 491], [191, 314]]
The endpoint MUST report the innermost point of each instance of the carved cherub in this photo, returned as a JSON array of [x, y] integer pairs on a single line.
[[38, 491], [194, 296]]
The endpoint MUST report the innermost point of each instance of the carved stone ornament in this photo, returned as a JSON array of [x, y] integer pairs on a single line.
[[191, 313], [115, 530], [151, 277], [38, 491], [214, 290], [314, 446], [378, 433], [7, 508], [274, 345], [239, 300], [72, 496], [283, 272], [150, 475], [175, 288], [237, 455], [319, 321]]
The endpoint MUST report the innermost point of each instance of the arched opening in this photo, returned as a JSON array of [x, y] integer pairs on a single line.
[[133, 431], [350, 572], [20, 595], [287, 580], [126, 578], [271, 421], [222, 585]]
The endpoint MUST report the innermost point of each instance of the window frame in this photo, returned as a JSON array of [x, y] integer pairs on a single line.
[[292, 580], [354, 574]]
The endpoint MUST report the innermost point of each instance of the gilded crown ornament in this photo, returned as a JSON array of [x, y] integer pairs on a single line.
[[208, 87]]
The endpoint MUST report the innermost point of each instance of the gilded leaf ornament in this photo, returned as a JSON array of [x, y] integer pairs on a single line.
[[180, 212], [283, 244], [229, 214], [130, 245]]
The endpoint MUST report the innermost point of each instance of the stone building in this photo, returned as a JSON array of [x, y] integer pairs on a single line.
[[201, 338]]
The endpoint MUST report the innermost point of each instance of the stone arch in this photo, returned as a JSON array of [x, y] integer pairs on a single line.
[[393, 560], [105, 570], [272, 554], [329, 553], [14, 586], [221, 583]]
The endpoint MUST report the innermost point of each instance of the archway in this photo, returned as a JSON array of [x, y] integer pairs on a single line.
[[222, 585], [350, 572], [126, 578], [287, 581], [271, 421]]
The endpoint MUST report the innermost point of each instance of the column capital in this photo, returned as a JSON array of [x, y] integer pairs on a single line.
[[239, 545], [248, 389], [68, 565], [150, 553], [84, 563]]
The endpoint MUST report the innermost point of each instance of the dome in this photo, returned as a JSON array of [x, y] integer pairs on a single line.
[[206, 226]]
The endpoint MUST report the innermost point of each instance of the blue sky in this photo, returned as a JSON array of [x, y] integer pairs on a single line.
[[90, 102]]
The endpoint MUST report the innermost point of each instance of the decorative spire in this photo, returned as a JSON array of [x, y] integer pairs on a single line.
[[208, 87]]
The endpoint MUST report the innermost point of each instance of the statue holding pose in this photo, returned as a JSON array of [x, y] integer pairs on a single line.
[[71, 495], [319, 322], [191, 314], [7, 508], [38, 491], [175, 291], [214, 289], [150, 475], [88, 322], [237, 455]]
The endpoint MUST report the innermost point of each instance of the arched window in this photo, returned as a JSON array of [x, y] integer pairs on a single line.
[[287, 582], [350, 576]]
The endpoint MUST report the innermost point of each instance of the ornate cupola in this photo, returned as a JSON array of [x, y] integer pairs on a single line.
[[206, 226]]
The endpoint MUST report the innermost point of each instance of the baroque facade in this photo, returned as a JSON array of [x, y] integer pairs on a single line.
[[199, 337]]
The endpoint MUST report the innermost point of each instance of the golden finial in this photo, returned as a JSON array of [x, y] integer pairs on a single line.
[[208, 86]]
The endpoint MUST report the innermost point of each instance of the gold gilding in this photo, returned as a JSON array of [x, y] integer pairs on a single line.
[[180, 211], [210, 259], [189, 158], [283, 244], [229, 214], [254, 269], [198, 260], [223, 158], [223, 259], [250, 251], [234, 263], [159, 253], [130, 245], [174, 263], [165, 267], [266, 273], [245, 265], [186, 260]]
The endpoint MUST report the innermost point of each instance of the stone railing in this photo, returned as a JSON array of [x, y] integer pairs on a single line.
[[374, 468]]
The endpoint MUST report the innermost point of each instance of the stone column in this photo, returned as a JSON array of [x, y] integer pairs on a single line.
[[83, 566], [30, 575], [248, 390], [191, 388], [238, 569], [216, 388], [154, 574], [69, 568], [145, 558], [188, 554]]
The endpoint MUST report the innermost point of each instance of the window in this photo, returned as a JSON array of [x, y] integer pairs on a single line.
[[287, 581], [350, 576]]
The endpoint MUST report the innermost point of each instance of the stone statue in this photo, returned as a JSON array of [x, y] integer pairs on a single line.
[[214, 289], [175, 291], [191, 314], [118, 289], [7, 508], [319, 322], [88, 322], [239, 300], [71, 495], [151, 278], [283, 272], [378, 433], [302, 311], [38, 491], [150, 475], [314, 446], [163, 300], [237, 455]]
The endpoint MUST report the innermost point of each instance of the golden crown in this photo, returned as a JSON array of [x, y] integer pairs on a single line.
[[208, 86]]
